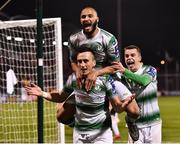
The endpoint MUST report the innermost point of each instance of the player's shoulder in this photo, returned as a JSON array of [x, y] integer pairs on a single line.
[[75, 35], [149, 69], [106, 33], [108, 37]]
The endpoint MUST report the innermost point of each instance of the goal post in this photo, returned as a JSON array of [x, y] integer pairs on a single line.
[[18, 62]]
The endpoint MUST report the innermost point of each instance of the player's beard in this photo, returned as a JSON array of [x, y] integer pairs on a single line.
[[94, 26]]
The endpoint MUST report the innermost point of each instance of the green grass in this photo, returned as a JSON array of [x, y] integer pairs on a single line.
[[13, 119], [170, 114], [18, 122]]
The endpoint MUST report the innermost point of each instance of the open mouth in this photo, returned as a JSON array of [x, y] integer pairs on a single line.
[[130, 62], [87, 25]]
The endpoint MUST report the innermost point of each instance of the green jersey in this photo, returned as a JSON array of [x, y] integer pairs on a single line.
[[104, 45], [143, 82], [92, 107]]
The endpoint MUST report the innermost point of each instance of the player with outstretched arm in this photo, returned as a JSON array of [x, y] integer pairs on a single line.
[[92, 116], [105, 47]]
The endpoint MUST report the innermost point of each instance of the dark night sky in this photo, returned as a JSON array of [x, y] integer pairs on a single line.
[[151, 24]]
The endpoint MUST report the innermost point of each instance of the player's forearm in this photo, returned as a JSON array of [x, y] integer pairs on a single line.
[[55, 96], [105, 70], [50, 96], [144, 79]]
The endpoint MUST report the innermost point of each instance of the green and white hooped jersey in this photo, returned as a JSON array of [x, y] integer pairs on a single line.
[[92, 108], [146, 95], [104, 44]]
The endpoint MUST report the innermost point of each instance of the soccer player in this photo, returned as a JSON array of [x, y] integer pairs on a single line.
[[92, 116], [141, 79], [106, 50]]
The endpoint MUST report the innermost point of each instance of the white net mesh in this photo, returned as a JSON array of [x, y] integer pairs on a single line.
[[18, 113]]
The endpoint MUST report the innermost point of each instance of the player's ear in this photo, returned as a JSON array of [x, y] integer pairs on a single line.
[[140, 58], [94, 63], [97, 19]]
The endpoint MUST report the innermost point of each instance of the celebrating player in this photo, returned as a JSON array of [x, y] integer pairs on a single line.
[[141, 79], [92, 116], [106, 50]]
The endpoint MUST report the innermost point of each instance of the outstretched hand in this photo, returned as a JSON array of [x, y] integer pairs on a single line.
[[33, 90]]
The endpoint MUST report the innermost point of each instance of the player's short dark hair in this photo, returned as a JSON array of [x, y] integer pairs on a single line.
[[133, 47], [84, 48]]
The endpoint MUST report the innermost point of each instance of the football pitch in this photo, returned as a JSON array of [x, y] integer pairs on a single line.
[[169, 108], [170, 114]]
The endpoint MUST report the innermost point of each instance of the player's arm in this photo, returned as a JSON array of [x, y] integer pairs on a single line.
[[143, 79], [53, 96], [120, 106], [129, 105], [150, 74], [91, 79], [58, 97], [113, 54], [105, 70], [111, 93]]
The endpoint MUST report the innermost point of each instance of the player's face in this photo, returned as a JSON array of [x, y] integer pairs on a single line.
[[89, 21], [85, 62], [132, 59]]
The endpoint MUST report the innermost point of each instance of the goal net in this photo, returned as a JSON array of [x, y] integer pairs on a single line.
[[18, 62]]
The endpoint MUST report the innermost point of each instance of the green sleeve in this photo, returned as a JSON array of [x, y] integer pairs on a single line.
[[144, 79]]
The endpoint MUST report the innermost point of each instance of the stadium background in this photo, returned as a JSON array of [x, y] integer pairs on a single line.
[[150, 24]]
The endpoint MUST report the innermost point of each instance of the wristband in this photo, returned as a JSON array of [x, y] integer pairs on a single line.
[[44, 94]]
